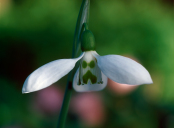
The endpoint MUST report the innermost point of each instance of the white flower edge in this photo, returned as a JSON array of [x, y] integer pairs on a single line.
[[48, 74], [88, 87], [123, 70]]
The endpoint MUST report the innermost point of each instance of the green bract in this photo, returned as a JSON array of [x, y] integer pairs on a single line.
[[87, 41]]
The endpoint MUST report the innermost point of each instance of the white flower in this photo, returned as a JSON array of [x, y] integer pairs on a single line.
[[92, 73]]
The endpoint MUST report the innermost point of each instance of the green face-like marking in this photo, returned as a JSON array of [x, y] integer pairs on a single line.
[[90, 64], [88, 75], [84, 64]]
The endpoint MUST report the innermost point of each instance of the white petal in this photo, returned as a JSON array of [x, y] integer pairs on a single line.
[[93, 72], [48, 74], [123, 70], [88, 87]]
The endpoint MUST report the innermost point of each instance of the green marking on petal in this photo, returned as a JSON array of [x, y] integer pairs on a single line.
[[88, 75], [92, 64], [84, 64]]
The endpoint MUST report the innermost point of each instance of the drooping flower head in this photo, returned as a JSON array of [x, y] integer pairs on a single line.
[[93, 70]]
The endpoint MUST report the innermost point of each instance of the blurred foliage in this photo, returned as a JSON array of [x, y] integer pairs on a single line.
[[33, 33]]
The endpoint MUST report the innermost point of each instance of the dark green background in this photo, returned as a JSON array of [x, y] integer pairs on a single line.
[[33, 33]]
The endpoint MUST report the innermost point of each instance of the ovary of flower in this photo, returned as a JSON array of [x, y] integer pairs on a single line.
[[92, 73]]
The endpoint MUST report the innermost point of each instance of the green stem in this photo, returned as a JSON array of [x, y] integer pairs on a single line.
[[65, 105], [82, 18]]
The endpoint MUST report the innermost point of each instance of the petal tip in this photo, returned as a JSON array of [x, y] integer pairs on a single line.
[[150, 81], [147, 81], [24, 90], [29, 90]]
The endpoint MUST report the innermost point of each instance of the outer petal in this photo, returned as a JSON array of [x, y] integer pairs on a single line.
[[88, 87], [123, 70], [48, 74]]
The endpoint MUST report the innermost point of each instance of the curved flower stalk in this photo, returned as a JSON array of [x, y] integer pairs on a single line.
[[93, 70]]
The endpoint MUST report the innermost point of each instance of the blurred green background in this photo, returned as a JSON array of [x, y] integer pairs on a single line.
[[33, 33]]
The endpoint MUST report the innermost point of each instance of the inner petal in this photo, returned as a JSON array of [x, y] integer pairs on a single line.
[[89, 72], [88, 87]]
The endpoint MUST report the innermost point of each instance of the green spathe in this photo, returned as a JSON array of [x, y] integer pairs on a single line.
[[87, 41]]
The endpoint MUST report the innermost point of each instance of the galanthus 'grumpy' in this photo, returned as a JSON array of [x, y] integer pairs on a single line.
[[93, 72]]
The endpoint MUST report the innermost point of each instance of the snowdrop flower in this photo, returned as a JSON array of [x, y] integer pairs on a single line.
[[93, 71]]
